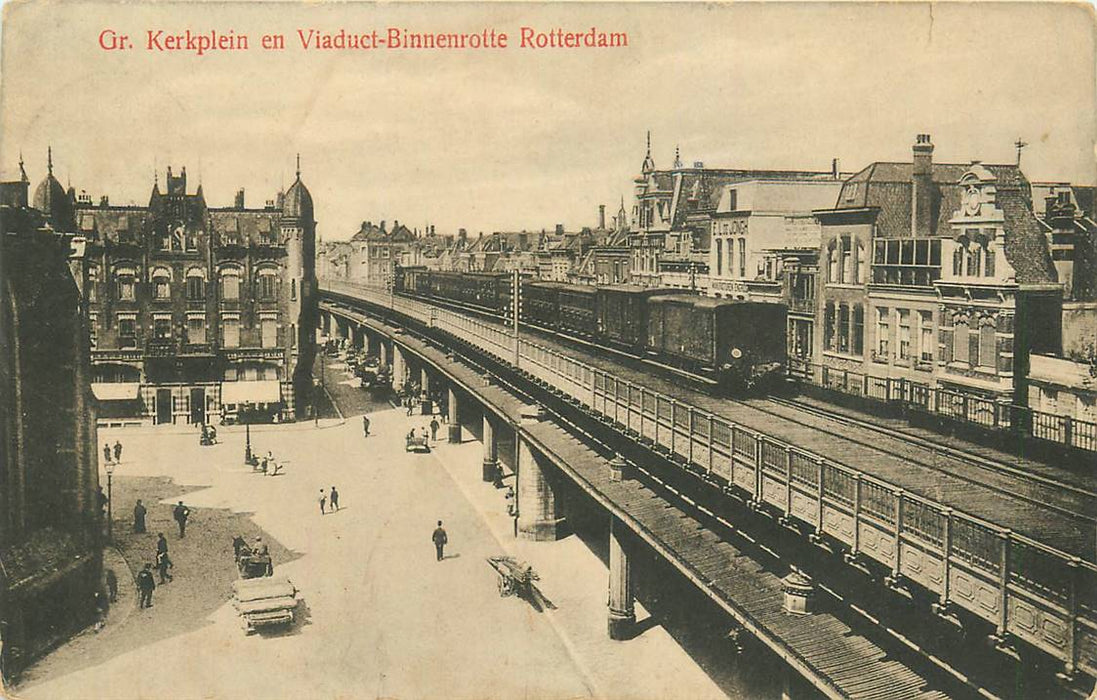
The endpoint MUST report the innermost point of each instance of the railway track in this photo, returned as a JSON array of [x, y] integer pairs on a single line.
[[993, 474], [1069, 499], [1060, 515]]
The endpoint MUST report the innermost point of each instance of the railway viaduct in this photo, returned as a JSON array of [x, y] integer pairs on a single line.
[[524, 414]]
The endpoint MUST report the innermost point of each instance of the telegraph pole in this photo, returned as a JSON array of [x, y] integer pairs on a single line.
[[515, 308]]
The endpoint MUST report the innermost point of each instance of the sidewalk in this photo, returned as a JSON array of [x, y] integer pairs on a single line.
[[651, 665]]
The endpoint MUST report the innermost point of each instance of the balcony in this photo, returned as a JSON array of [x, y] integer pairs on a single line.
[[881, 357], [803, 306], [161, 347]]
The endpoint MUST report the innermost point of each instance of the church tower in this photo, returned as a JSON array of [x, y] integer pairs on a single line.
[[298, 233]]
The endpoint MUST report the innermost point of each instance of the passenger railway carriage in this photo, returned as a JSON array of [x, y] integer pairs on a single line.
[[736, 345]]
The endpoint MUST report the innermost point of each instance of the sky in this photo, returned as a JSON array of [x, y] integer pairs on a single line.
[[522, 138]]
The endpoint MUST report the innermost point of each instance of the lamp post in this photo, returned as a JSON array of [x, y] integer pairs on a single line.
[[110, 502], [316, 396], [245, 416]]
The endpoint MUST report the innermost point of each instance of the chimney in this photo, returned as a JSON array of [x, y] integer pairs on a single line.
[[1069, 266], [462, 234], [559, 229], [382, 226], [432, 229], [240, 198], [601, 216], [104, 201], [921, 196], [835, 169], [523, 241]]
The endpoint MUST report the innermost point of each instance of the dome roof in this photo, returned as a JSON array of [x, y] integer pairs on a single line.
[[51, 199], [297, 203]]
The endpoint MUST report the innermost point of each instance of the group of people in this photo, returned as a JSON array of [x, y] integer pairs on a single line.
[[329, 502], [208, 436], [114, 455], [268, 465], [146, 583], [427, 431]]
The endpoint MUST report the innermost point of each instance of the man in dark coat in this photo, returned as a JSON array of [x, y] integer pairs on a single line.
[[434, 425], [163, 563], [181, 513], [161, 543], [118, 451], [440, 539], [365, 426], [112, 585], [139, 517], [146, 585], [334, 499], [106, 453]]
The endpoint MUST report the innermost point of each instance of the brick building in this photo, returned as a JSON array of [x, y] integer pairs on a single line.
[[196, 311], [50, 560], [939, 274]]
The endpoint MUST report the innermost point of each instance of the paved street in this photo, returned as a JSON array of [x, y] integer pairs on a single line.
[[381, 617]]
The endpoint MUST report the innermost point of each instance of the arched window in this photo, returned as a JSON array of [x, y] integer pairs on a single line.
[[293, 289], [230, 284], [161, 283], [267, 284], [196, 284], [126, 283]]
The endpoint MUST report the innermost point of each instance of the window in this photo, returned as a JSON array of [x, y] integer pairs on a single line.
[[93, 284], [196, 329], [161, 328], [268, 286], [988, 261], [828, 326], [230, 285], [904, 333], [973, 255], [230, 332], [269, 332], [861, 268], [719, 257], [93, 330], [127, 332], [858, 330], [733, 200], [196, 285], [958, 262], [847, 261], [293, 289], [127, 289], [883, 331], [843, 328], [832, 264], [988, 352], [960, 341], [925, 343], [742, 257]]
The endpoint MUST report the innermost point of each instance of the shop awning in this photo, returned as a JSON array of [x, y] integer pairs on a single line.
[[251, 392], [116, 391]]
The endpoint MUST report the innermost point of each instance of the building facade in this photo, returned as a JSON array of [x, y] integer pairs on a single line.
[[937, 274], [196, 311], [50, 519]]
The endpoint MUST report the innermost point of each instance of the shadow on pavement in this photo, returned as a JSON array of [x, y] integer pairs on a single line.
[[204, 570]]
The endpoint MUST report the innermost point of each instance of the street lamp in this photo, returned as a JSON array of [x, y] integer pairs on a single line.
[[245, 417], [316, 396], [110, 502]]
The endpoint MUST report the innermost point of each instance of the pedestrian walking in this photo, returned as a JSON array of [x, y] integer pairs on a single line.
[[102, 500], [440, 539], [163, 563], [145, 585], [323, 501], [410, 403], [181, 513], [112, 585], [161, 543], [334, 499], [365, 426], [434, 425], [101, 608], [139, 511], [118, 451], [106, 453]]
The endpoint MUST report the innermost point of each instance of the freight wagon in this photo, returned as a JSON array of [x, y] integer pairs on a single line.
[[568, 308], [623, 314], [739, 345]]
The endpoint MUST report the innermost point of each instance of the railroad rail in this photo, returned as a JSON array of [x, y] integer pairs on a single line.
[[1028, 591]]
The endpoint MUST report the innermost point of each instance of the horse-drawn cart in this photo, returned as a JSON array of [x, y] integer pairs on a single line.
[[261, 598], [416, 443]]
